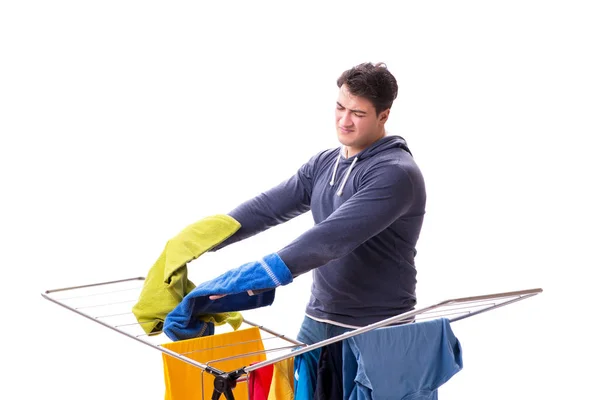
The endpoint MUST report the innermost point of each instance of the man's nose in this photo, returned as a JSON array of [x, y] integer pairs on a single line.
[[345, 119]]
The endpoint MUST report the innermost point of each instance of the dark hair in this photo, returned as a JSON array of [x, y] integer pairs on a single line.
[[373, 82]]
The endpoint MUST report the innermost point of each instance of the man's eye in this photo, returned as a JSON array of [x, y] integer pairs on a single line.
[[359, 115]]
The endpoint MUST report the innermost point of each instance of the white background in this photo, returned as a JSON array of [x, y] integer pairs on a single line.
[[123, 121]]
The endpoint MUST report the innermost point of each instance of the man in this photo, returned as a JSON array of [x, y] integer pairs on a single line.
[[368, 201]]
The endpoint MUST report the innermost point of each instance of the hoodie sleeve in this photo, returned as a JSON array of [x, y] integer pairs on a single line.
[[385, 194], [285, 201]]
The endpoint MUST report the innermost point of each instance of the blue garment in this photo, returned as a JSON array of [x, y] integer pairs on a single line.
[[401, 362], [305, 375], [306, 365], [267, 273], [368, 210]]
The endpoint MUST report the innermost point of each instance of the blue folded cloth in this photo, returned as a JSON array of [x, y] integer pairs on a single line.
[[268, 273]]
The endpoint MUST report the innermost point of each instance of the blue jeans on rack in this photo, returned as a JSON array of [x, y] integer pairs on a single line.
[[312, 331]]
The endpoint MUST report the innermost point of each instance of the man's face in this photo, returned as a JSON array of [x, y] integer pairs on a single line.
[[357, 123]]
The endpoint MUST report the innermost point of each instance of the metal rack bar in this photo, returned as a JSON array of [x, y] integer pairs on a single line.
[[160, 348], [400, 318]]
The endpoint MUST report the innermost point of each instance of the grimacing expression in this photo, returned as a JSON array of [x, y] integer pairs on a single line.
[[357, 122]]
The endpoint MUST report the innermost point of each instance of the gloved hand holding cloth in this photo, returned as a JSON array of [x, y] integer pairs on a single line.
[[256, 276]]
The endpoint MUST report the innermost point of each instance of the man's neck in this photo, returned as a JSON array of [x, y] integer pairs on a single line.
[[351, 152]]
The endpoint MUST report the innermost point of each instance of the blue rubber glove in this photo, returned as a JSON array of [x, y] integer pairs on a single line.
[[257, 277]]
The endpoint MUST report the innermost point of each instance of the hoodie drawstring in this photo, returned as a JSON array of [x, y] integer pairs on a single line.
[[339, 192], [335, 169]]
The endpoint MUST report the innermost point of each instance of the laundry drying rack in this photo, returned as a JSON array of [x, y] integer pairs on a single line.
[[109, 304]]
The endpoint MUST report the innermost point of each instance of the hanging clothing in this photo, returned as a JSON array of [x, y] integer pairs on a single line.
[[408, 361], [167, 281], [273, 382], [329, 384], [266, 273], [184, 381], [305, 374], [259, 383], [282, 385]]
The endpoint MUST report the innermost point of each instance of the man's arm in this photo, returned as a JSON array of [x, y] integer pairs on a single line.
[[285, 201], [386, 194]]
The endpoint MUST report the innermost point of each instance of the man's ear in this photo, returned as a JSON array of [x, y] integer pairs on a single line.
[[383, 116]]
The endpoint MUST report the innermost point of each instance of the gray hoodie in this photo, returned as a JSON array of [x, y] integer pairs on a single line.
[[368, 211]]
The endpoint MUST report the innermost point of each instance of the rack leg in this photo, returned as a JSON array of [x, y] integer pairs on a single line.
[[224, 384]]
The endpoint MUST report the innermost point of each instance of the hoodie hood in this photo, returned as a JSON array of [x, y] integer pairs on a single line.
[[385, 143]]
